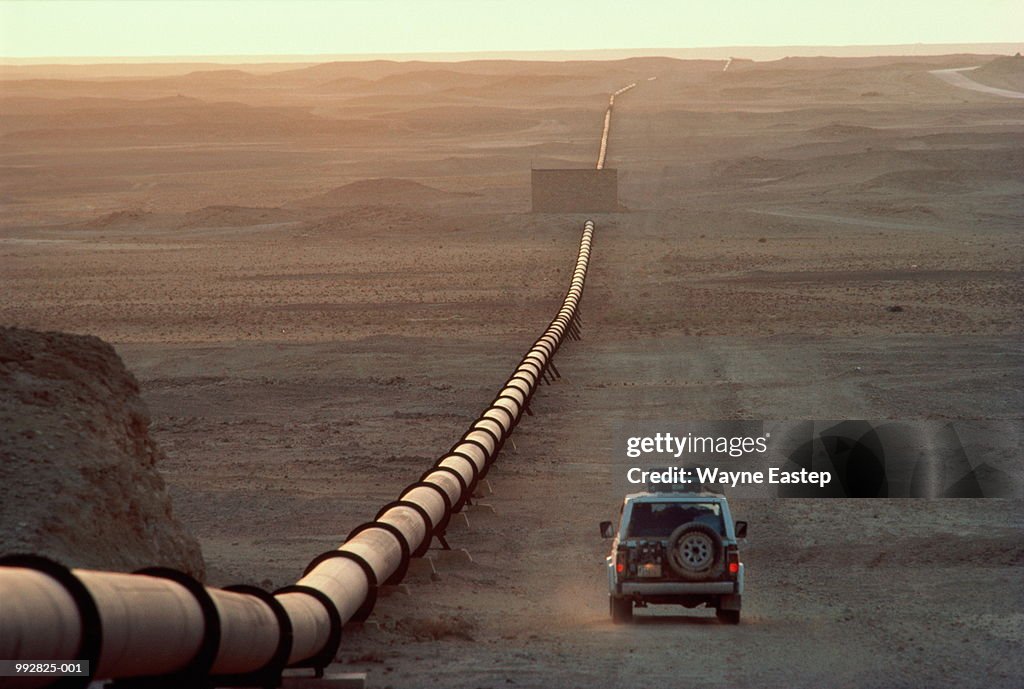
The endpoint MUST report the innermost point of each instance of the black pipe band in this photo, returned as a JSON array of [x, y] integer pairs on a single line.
[[463, 488], [199, 666], [519, 405], [472, 465], [506, 412], [484, 423], [488, 431], [477, 443], [427, 522], [554, 347], [530, 384], [423, 483], [269, 674], [522, 379], [325, 656], [91, 639], [503, 394], [366, 608], [499, 443], [403, 544], [488, 456], [522, 371]]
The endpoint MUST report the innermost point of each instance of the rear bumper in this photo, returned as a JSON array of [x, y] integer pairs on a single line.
[[671, 588]]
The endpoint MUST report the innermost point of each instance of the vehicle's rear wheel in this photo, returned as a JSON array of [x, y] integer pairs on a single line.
[[728, 616], [621, 609]]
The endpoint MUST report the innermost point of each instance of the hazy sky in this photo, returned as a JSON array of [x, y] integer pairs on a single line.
[[35, 28]]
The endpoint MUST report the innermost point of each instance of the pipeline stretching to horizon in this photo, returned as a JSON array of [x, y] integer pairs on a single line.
[[162, 623], [608, 125]]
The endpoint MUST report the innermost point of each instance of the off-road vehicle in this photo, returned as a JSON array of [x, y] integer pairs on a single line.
[[677, 547]]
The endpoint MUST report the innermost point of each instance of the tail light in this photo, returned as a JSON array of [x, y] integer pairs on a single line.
[[620, 561], [733, 560]]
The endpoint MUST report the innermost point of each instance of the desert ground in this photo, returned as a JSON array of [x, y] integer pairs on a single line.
[[321, 274]]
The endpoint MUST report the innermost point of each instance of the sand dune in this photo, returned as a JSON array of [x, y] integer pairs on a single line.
[[1002, 72], [209, 78], [128, 219]]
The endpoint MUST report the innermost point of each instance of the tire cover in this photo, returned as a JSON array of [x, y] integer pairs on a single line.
[[695, 552]]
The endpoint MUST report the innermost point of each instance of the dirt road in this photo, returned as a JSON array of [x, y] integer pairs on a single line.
[[956, 77]]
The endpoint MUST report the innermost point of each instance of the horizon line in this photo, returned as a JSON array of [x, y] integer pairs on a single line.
[[505, 54]]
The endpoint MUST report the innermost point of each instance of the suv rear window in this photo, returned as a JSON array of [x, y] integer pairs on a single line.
[[660, 519]]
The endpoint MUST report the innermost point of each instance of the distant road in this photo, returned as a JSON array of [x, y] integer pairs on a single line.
[[956, 77]]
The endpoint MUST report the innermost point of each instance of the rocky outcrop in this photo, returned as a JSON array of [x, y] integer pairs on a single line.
[[78, 469]]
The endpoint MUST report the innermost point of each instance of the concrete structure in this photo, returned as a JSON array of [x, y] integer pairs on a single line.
[[575, 191]]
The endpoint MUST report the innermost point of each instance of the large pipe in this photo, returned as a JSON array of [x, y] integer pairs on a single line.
[[162, 623]]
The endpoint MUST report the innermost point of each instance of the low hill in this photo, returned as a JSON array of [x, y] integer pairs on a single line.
[[79, 468], [1002, 72]]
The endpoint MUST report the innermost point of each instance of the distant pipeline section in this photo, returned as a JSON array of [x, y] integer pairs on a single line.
[[579, 190], [608, 125], [160, 627]]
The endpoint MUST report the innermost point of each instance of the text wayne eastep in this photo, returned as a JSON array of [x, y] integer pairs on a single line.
[[734, 446]]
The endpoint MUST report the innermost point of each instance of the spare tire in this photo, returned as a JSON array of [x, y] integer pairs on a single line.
[[695, 552]]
